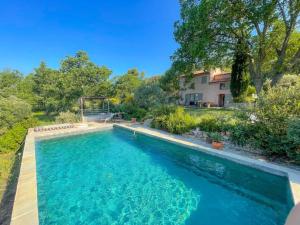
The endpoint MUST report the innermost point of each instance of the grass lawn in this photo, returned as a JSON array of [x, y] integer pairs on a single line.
[[43, 118], [201, 112]]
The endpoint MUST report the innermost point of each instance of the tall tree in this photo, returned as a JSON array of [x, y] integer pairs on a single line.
[[239, 76], [209, 30], [59, 90], [126, 85]]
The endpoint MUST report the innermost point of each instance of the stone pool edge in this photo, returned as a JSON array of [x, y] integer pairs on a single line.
[[292, 175], [25, 207]]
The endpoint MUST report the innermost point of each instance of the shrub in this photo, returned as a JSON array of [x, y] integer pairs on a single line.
[[12, 110], [177, 122], [243, 133], [163, 110], [215, 136], [67, 117], [293, 131], [160, 122], [13, 138], [130, 111], [293, 135], [217, 123], [275, 128], [180, 122], [209, 124]]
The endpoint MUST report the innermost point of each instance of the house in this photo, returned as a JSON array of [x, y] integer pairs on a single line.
[[206, 88]]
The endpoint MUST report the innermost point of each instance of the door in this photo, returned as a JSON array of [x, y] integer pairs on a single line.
[[221, 100]]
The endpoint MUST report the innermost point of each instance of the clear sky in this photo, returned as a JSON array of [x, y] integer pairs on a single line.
[[120, 34]]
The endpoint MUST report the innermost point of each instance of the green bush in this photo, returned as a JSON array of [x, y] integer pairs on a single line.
[[178, 122], [67, 117], [13, 138], [12, 110], [293, 131], [160, 122], [130, 111], [243, 133], [293, 135], [163, 110], [215, 136], [217, 123], [274, 122]]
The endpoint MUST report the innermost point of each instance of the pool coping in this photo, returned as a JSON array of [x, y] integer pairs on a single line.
[[25, 208]]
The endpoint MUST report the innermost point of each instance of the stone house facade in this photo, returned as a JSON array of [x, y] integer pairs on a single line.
[[206, 88]]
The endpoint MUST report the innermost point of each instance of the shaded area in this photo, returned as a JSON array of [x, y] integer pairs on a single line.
[[7, 201]]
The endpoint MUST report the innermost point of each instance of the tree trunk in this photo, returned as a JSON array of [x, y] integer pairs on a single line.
[[258, 83], [256, 76]]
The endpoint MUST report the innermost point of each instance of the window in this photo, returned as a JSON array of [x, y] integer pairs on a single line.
[[198, 97], [204, 80], [192, 99], [224, 86]]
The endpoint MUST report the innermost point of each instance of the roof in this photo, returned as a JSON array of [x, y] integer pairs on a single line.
[[223, 77]]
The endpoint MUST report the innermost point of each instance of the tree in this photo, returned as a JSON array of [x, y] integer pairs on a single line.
[[209, 30], [12, 110], [9, 79], [49, 89], [85, 77], [126, 85], [59, 90], [239, 77], [149, 94], [169, 82]]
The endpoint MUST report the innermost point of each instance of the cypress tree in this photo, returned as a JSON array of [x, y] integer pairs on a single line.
[[239, 77]]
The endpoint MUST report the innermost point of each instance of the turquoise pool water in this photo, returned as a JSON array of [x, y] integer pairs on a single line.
[[113, 177]]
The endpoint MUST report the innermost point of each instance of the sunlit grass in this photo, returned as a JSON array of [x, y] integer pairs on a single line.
[[43, 118], [201, 112], [6, 164]]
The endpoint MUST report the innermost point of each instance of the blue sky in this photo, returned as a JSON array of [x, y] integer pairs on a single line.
[[120, 34]]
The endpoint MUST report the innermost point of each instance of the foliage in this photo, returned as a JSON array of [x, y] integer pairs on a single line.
[[149, 94], [178, 122], [125, 85], [12, 110], [273, 122], [243, 133], [59, 90], [43, 118], [130, 111], [67, 117], [169, 82], [8, 81], [239, 78], [13, 83], [215, 136], [293, 132], [13, 138], [163, 110], [219, 123], [209, 30]]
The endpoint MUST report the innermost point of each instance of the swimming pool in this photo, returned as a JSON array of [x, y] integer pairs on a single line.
[[115, 177]]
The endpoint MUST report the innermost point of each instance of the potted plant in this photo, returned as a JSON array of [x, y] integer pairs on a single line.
[[217, 140]]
